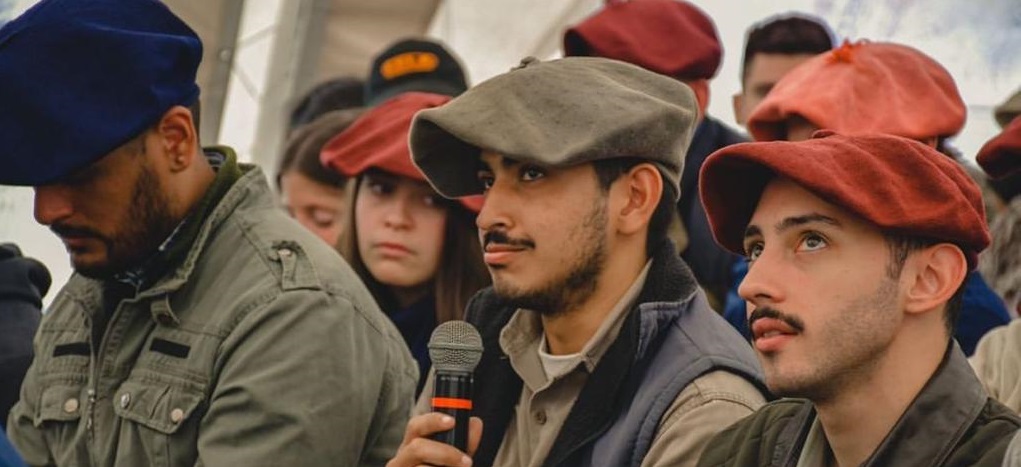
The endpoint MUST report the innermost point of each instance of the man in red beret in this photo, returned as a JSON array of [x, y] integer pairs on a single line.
[[676, 39], [875, 87], [858, 247]]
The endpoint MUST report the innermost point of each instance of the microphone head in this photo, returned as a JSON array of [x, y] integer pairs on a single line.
[[455, 346]]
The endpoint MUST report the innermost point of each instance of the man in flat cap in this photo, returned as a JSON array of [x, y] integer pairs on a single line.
[[202, 326], [859, 247], [866, 87], [600, 348], [676, 39]]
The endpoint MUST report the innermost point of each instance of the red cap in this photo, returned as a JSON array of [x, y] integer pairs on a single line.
[[1001, 156], [379, 139], [898, 184], [669, 37], [865, 87]]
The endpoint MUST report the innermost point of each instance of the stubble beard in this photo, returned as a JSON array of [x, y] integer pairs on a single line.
[[855, 343], [147, 224], [577, 283]]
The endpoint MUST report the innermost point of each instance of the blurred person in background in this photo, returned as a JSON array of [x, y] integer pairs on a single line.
[[859, 246], [998, 357], [678, 40], [336, 94], [312, 194], [415, 250], [875, 87], [774, 47], [414, 65], [23, 284], [201, 326]]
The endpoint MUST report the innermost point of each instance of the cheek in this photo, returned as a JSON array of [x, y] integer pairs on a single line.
[[431, 233]]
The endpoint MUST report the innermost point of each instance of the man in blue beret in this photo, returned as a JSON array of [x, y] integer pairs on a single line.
[[202, 325]]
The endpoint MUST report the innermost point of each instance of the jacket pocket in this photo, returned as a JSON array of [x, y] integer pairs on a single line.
[[59, 403], [159, 421]]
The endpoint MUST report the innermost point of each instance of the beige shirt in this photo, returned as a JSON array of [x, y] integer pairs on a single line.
[[997, 364], [709, 404]]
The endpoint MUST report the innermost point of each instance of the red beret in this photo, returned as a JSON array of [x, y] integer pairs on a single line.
[[379, 139], [900, 185], [669, 37], [1001, 156], [866, 87]]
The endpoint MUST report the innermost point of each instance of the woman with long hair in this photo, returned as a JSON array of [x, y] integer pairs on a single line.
[[417, 252]]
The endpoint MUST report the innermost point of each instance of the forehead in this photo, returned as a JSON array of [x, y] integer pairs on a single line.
[[770, 67], [783, 198]]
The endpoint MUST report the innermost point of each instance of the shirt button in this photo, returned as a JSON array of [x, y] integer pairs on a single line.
[[176, 416], [540, 417], [71, 405], [284, 252], [125, 400]]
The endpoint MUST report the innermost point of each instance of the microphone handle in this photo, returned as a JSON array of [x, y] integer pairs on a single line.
[[452, 395]]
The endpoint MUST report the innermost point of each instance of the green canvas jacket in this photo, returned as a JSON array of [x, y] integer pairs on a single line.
[[261, 348], [952, 422]]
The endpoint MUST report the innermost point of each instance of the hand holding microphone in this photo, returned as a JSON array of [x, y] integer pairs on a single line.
[[448, 435]]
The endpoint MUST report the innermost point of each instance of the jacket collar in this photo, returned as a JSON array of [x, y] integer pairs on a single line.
[[928, 431]]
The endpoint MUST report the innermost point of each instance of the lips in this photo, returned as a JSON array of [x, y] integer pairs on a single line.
[[496, 254], [770, 334], [392, 249]]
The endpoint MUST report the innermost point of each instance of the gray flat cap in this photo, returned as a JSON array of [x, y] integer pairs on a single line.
[[556, 114]]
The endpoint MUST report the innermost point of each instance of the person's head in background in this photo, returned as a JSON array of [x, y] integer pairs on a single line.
[[860, 88], [414, 65], [407, 242], [336, 94], [669, 37], [312, 194], [1001, 263], [774, 47]]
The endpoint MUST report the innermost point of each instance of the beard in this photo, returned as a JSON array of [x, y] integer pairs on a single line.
[[854, 345], [146, 224], [578, 282]]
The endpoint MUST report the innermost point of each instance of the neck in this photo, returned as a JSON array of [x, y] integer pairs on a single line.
[[864, 411], [407, 296], [568, 331]]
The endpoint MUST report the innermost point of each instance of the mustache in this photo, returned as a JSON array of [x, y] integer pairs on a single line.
[[71, 231], [500, 237], [768, 312]]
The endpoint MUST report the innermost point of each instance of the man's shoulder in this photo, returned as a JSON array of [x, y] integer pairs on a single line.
[[754, 439], [987, 439]]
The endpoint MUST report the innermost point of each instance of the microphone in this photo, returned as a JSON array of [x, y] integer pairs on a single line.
[[455, 348]]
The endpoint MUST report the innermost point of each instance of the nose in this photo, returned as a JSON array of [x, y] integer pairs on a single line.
[[494, 212], [398, 213], [52, 204], [763, 283]]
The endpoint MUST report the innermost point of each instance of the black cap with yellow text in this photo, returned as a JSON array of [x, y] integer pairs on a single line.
[[414, 65]]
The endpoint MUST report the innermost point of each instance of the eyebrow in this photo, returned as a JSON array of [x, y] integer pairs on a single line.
[[791, 222], [505, 162]]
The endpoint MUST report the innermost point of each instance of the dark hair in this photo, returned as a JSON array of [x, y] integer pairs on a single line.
[[609, 170], [301, 153], [335, 94], [461, 271], [787, 35], [901, 246]]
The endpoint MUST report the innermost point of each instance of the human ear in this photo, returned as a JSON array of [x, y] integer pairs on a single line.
[[177, 138], [642, 190], [936, 274]]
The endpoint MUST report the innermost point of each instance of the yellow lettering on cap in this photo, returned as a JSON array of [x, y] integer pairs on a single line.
[[407, 63]]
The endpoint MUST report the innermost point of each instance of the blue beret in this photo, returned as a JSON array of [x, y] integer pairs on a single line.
[[81, 78]]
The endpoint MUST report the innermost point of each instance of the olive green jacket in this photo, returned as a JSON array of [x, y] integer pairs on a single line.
[[262, 348], [952, 422]]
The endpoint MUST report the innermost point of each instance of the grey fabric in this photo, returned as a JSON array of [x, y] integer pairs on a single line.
[[555, 114]]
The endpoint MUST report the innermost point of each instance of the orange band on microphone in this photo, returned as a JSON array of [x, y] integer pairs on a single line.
[[451, 403]]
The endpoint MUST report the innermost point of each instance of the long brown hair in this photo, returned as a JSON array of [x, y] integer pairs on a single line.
[[459, 275]]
